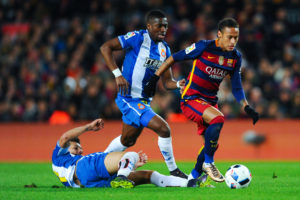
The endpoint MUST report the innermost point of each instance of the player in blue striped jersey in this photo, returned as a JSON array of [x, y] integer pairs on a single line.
[[145, 51], [115, 169]]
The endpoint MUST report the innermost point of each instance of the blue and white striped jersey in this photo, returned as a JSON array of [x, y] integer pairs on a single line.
[[143, 57], [63, 165]]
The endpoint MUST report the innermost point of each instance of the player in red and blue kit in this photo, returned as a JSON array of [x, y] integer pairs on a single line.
[[213, 60]]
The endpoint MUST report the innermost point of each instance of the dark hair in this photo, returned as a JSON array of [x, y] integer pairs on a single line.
[[227, 22], [152, 14], [76, 139]]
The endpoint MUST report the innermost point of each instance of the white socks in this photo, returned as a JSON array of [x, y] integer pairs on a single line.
[[127, 162], [166, 149], [167, 181], [190, 176], [115, 145]]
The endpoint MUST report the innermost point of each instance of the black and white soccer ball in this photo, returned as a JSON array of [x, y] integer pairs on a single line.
[[238, 176]]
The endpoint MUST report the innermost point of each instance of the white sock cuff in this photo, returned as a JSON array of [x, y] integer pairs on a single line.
[[167, 181], [154, 179], [115, 145], [119, 139], [132, 156], [127, 163], [190, 176], [164, 141]]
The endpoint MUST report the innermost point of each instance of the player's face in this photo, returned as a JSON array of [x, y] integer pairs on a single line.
[[228, 38], [75, 148], [157, 29]]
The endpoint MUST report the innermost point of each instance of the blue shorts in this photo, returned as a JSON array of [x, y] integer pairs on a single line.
[[91, 171], [135, 112]]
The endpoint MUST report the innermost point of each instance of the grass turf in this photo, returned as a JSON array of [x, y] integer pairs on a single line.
[[271, 180]]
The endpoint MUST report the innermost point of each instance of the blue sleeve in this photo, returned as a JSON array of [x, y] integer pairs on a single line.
[[236, 82], [190, 52], [130, 39], [168, 52], [60, 150]]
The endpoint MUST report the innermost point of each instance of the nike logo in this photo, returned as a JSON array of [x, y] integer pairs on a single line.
[[211, 57], [213, 141]]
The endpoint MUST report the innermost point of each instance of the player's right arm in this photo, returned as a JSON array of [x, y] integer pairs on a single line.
[[76, 132], [189, 53], [107, 51]]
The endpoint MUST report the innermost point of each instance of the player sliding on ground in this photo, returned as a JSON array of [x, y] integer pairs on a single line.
[[115, 169], [213, 60]]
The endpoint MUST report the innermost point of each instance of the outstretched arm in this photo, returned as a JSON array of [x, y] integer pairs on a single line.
[[166, 65], [107, 51], [76, 132], [170, 83]]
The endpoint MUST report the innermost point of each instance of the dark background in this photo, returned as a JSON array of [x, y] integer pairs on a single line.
[[50, 59]]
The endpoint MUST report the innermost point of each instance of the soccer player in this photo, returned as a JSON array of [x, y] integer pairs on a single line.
[[115, 169], [145, 52], [213, 60]]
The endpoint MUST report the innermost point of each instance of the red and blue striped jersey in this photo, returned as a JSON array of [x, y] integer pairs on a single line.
[[210, 66]]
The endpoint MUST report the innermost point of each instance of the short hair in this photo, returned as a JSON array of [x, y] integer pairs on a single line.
[[152, 14], [227, 22], [76, 139]]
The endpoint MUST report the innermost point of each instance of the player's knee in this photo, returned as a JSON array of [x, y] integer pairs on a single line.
[[164, 131], [128, 141], [217, 120], [216, 125]]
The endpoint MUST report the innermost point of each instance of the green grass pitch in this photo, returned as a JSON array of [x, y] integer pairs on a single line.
[[271, 180]]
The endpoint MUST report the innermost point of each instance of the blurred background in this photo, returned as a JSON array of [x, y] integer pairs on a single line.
[[51, 67]]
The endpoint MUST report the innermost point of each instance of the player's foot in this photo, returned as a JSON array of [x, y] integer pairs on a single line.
[[177, 172], [121, 182], [211, 170], [203, 181], [206, 181]]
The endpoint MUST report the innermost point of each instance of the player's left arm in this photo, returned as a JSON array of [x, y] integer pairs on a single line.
[[76, 132], [239, 94], [169, 82]]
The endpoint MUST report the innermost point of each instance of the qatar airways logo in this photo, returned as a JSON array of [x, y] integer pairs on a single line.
[[215, 73]]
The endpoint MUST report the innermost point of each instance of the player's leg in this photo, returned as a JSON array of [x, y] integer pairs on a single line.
[[210, 121], [127, 139], [121, 163], [132, 111], [197, 171], [215, 120], [160, 126], [160, 180], [193, 110]]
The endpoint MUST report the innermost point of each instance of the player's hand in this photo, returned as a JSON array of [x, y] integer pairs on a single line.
[[143, 158], [150, 86], [122, 85], [181, 85], [96, 125], [252, 113]]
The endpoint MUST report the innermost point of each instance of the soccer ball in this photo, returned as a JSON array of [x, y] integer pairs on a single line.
[[238, 176]]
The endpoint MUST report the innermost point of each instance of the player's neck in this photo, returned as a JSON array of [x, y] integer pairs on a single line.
[[219, 44]]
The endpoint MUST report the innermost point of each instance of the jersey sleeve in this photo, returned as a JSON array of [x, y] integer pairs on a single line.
[[190, 52], [58, 151], [236, 82], [130, 39], [168, 54]]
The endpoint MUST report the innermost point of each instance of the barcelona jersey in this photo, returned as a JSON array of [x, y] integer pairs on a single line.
[[210, 66]]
